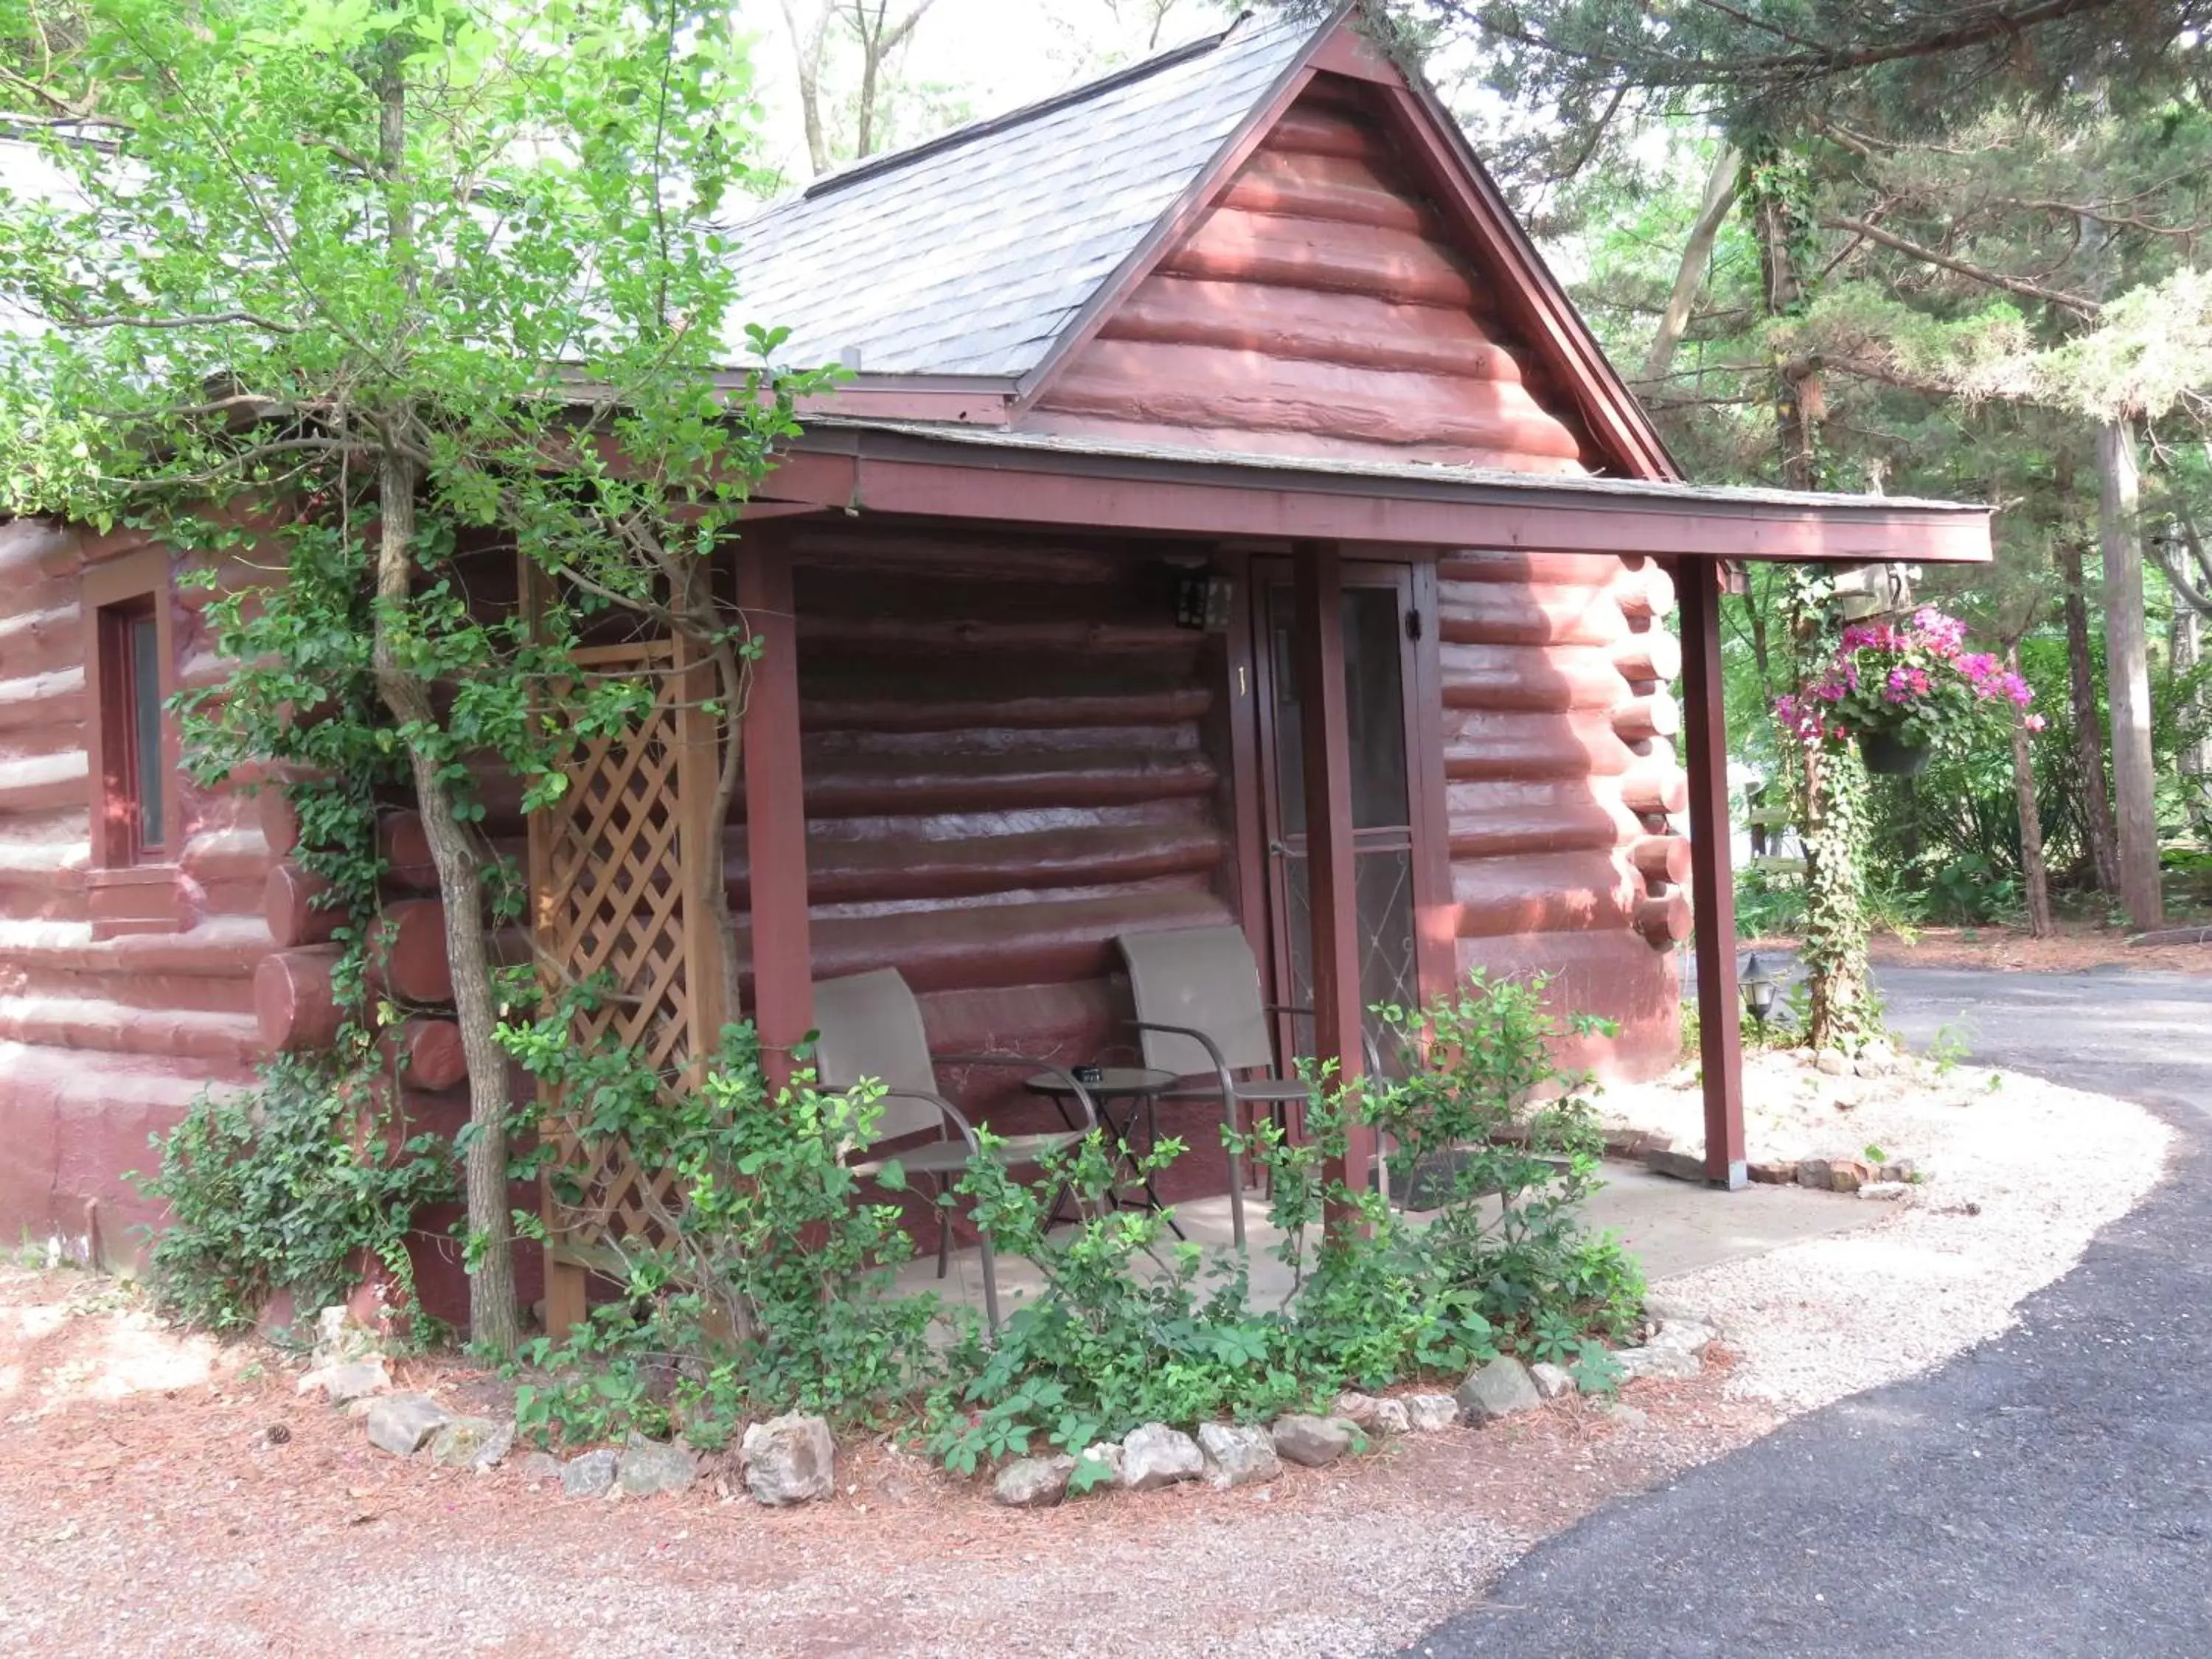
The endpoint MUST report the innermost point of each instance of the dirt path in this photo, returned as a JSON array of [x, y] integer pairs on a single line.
[[145, 1511]]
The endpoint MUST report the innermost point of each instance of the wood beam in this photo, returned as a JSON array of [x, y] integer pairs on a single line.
[[1720, 1034], [1318, 583], [943, 476], [775, 810]]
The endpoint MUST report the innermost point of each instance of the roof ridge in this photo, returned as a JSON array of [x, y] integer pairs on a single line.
[[875, 166]]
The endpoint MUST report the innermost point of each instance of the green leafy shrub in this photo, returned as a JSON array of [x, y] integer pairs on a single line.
[[766, 1286], [289, 1188], [1504, 1146]]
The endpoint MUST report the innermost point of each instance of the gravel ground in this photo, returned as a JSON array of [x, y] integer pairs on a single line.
[[2019, 1176], [146, 1509]]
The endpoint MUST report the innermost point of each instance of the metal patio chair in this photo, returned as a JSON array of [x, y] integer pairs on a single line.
[[1201, 1016], [869, 1026]]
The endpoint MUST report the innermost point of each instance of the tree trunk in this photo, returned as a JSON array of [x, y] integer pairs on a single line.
[[2033, 876], [493, 1316], [807, 44], [1697, 259], [2127, 674], [1798, 397], [2195, 760], [2088, 729]]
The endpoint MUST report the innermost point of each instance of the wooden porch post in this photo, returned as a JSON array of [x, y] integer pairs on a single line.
[[1326, 726], [776, 810], [1712, 890]]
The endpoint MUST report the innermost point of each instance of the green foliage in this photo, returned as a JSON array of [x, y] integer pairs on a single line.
[[399, 291], [1509, 1144], [769, 1285], [291, 1188], [765, 1285], [1497, 1147]]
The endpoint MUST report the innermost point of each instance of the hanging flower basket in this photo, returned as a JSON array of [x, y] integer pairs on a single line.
[[1903, 690], [1892, 756]]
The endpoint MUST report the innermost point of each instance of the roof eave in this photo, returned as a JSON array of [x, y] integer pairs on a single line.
[[862, 467]]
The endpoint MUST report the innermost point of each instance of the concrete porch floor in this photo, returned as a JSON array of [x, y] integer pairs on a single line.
[[1672, 1226]]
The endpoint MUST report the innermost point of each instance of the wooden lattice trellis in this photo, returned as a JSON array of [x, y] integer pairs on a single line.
[[624, 874]]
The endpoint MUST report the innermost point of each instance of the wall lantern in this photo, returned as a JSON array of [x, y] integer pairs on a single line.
[[1759, 990], [1202, 602]]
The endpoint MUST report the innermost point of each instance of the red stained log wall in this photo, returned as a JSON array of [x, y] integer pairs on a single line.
[[1319, 305], [1007, 763], [1559, 783], [106, 1034]]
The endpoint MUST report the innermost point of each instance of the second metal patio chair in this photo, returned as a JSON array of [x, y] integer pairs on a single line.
[[869, 1026], [1201, 1016]]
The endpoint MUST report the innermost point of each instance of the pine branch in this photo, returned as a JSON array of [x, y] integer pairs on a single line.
[[2086, 308]]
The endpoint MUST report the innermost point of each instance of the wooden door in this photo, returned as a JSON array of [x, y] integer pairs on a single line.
[[1379, 683]]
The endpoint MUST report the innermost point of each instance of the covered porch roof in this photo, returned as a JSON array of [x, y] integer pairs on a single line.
[[851, 464]]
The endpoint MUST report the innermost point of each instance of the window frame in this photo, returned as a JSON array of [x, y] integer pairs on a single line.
[[117, 595]]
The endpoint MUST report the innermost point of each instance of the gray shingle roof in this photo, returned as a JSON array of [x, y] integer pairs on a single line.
[[969, 255]]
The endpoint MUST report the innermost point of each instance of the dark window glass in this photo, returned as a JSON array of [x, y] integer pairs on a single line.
[[145, 768]]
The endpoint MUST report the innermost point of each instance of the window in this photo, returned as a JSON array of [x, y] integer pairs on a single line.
[[130, 712], [129, 673]]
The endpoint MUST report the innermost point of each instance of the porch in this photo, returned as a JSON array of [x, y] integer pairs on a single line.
[[1670, 1227]]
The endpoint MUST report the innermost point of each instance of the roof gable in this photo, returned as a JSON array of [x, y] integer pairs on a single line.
[[1271, 240], [1321, 305]]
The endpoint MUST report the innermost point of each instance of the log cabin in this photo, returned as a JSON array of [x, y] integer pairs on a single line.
[[1227, 517]]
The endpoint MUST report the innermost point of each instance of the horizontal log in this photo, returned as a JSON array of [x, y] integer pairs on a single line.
[[1488, 744], [1664, 919], [1203, 387], [1305, 129], [407, 948], [901, 868], [1541, 892], [1511, 568], [1536, 678], [1364, 330], [1337, 189], [1173, 707], [1661, 858], [29, 546], [1494, 819], [110, 1027], [56, 698], [900, 785], [1611, 972], [827, 554], [1645, 594], [294, 1000], [1653, 655], [1254, 247], [1641, 718], [1656, 786], [295, 907], [1068, 423], [431, 1054], [235, 854], [48, 641], [1045, 943], [42, 783], [217, 947], [939, 636], [404, 845], [1487, 613]]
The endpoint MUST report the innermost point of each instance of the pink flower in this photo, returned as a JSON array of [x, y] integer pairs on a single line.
[[2036, 722]]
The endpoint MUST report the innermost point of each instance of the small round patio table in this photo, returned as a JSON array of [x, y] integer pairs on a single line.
[[1137, 1089]]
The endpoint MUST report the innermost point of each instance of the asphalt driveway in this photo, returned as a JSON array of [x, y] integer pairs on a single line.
[[2047, 1494]]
